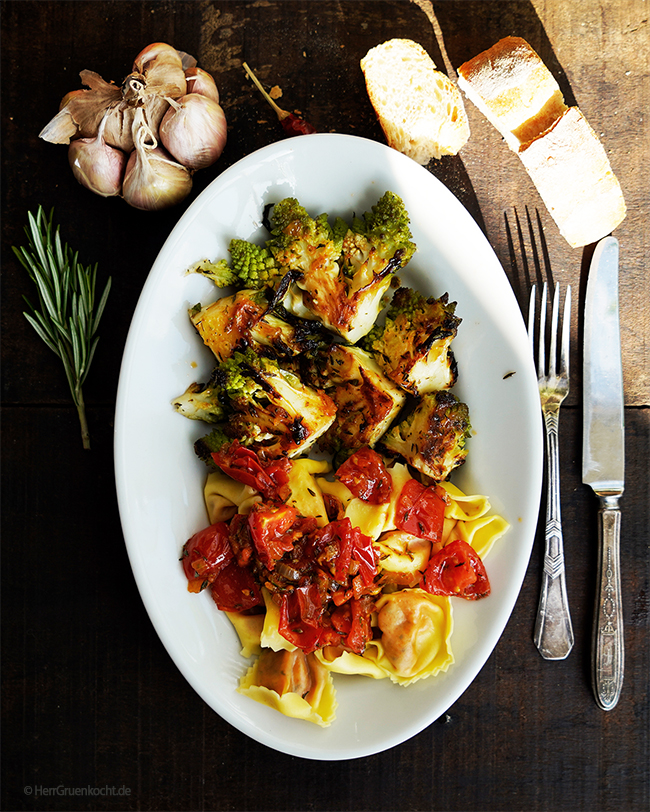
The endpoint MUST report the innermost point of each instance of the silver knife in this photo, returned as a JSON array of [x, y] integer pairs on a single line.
[[603, 462]]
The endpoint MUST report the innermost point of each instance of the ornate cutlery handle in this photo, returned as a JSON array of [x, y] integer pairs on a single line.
[[608, 644], [553, 631]]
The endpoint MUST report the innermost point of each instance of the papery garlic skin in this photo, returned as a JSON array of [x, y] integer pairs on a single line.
[[194, 130], [201, 82], [97, 165], [119, 126]]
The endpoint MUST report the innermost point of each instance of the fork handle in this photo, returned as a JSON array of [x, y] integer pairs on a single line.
[[553, 630], [608, 647]]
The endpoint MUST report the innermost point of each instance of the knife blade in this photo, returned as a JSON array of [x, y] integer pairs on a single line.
[[603, 462]]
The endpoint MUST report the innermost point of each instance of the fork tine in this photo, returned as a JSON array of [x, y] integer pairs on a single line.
[[552, 357], [531, 319], [541, 359], [566, 331]]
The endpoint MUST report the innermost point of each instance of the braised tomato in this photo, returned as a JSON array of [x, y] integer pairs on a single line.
[[235, 589], [270, 527], [457, 570], [205, 555], [366, 477], [303, 621], [420, 510], [269, 477]]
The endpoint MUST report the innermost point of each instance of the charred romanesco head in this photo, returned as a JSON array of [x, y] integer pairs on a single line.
[[413, 345], [380, 242], [300, 242], [432, 438], [271, 409]]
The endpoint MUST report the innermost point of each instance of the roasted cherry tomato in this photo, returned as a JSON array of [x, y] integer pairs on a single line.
[[457, 570], [302, 620], [270, 530], [352, 620], [365, 475], [420, 510], [205, 555], [269, 477], [354, 546], [235, 589]]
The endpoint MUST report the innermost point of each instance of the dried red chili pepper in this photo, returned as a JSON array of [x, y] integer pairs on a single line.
[[291, 123]]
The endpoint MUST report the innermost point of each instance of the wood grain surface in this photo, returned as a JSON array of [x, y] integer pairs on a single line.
[[90, 698]]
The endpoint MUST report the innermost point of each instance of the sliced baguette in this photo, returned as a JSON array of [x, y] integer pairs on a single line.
[[562, 154], [419, 108], [513, 89], [572, 173]]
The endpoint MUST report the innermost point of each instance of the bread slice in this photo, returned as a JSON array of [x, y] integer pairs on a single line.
[[513, 89], [572, 173], [562, 154], [419, 108]]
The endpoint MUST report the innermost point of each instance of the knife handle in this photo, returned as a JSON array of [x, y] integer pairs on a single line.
[[608, 646], [553, 630]]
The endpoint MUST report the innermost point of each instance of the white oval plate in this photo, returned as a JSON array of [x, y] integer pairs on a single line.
[[160, 481]]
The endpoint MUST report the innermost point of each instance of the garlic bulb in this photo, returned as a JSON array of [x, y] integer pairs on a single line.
[[96, 165], [153, 180], [194, 130], [115, 132], [201, 82]]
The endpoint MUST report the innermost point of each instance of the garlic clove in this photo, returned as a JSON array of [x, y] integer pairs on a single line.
[[201, 82], [152, 52], [153, 180], [160, 67], [96, 165], [194, 130]]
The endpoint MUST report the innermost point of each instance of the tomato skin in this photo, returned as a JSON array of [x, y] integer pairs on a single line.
[[456, 570], [235, 589], [353, 545], [269, 528], [352, 620], [365, 475], [302, 619], [420, 511], [269, 477], [205, 555]]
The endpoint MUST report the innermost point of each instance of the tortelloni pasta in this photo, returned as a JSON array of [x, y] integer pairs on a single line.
[[411, 629]]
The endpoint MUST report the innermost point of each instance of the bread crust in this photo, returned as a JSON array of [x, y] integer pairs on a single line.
[[419, 108]]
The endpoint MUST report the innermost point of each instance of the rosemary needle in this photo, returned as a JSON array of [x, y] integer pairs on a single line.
[[66, 293]]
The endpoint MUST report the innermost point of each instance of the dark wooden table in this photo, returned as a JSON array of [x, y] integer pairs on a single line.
[[90, 697]]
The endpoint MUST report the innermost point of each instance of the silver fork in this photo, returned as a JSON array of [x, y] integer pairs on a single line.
[[553, 631]]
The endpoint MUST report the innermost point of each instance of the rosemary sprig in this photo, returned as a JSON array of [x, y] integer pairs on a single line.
[[66, 293]]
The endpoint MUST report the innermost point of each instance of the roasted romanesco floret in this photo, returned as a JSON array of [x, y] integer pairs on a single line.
[[247, 319], [271, 409], [413, 344], [201, 402], [251, 266], [366, 400], [344, 272], [380, 242], [432, 437]]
